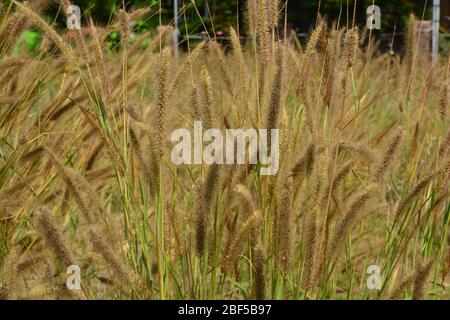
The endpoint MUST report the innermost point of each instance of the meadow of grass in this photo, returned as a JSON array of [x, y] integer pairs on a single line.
[[86, 176]]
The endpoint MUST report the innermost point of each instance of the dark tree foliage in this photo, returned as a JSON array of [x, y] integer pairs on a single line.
[[219, 15], [302, 14]]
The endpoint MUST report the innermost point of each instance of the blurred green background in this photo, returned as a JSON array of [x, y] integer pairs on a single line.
[[218, 15], [301, 13]]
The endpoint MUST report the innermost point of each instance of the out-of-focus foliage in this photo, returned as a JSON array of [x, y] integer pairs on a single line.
[[301, 14], [393, 13], [219, 15]]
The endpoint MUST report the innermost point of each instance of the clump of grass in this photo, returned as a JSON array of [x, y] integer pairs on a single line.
[[85, 131]]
